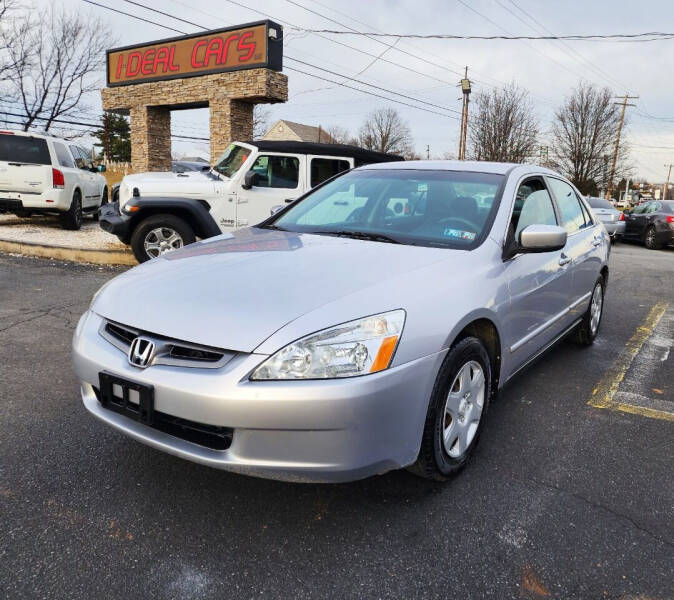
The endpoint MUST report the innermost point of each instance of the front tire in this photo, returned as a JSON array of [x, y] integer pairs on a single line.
[[72, 218], [588, 328], [456, 411], [160, 234]]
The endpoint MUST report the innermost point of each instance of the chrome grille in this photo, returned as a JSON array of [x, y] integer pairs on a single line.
[[169, 351]]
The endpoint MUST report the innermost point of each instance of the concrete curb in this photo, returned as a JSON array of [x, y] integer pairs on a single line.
[[84, 255]]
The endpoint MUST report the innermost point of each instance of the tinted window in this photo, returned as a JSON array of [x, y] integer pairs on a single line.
[[572, 215], [63, 155], [277, 171], [599, 203], [653, 207], [24, 149], [533, 206], [419, 207], [640, 209], [324, 168]]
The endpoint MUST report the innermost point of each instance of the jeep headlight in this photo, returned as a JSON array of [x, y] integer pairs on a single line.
[[356, 348]]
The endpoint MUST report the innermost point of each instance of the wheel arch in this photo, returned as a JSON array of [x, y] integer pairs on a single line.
[[484, 327]]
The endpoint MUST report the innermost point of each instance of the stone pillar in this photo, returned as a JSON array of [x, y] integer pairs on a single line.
[[230, 120], [150, 138]]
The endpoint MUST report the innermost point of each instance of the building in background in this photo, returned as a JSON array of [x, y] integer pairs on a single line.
[[287, 130]]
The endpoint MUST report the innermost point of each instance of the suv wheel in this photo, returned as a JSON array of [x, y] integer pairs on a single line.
[[72, 218], [159, 234], [456, 411]]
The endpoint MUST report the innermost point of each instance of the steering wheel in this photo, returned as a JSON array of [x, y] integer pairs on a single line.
[[470, 226]]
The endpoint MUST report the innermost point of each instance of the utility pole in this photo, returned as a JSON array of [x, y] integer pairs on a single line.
[[669, 172], [465, 88], [624, 104], [428, 152]]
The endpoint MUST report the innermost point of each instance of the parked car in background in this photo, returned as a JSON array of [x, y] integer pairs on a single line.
[[44, 174], [611, 218], [160, 212], [341, 338], [651, 223], [183, 166], [622, 203]]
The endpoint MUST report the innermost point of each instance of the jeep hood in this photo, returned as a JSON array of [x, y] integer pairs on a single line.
[[236, 290]]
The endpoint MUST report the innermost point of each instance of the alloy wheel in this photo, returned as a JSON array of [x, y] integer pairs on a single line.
[[161, 240], [463, 409], [595, 309]]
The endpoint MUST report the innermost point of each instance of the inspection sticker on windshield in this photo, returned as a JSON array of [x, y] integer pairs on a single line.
[[459, 235]]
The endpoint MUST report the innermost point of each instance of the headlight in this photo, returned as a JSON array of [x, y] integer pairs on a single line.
[[355, 348]]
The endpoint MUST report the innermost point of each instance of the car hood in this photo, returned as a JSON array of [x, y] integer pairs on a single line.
[[166, 177], [235, 290]]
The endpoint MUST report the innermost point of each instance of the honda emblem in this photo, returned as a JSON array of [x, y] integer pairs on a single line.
[[141, 352]]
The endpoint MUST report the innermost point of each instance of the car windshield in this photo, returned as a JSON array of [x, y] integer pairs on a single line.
[[599, 203], [418, 207], [231, 160]]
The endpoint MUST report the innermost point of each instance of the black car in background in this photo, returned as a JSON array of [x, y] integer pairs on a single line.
[[651, 223]]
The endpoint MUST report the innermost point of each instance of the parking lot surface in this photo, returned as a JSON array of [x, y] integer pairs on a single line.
[[569, 495]]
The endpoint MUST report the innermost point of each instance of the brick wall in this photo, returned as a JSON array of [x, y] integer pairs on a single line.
[[230, 96]]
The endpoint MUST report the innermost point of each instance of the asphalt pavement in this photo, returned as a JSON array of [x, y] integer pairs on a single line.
[[562, 499]]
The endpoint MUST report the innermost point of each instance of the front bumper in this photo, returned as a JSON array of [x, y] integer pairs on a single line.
[[322, 431], [113, 221]]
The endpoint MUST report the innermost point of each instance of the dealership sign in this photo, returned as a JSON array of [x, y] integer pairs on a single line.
[[247, 46]]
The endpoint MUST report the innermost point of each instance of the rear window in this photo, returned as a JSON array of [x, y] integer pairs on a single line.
[[599, 203], [23, 149]]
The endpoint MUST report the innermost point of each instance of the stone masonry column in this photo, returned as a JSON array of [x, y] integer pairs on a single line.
[[150, 138], [230, 120]]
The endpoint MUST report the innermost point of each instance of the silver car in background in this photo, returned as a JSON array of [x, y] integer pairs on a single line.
[[609, 216], [363, 328]]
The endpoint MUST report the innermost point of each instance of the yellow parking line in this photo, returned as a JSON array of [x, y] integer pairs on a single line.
[[605, 390]]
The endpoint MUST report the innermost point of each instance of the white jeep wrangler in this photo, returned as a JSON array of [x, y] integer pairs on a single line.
[[43, 174], [160, 212]]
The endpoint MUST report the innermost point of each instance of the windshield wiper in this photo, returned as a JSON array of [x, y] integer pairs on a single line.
[[361, 235], [274, 227]]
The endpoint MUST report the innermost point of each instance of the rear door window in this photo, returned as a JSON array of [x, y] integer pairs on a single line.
[[24, 149], [63, 155], [324, 168], [573, 216]]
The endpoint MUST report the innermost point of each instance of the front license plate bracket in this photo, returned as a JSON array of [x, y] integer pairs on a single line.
[[143, 411]]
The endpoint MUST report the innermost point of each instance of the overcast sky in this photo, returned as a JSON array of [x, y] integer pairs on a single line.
[[547, 69]]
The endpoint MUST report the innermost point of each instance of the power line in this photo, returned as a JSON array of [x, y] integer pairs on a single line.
[[307, 64]]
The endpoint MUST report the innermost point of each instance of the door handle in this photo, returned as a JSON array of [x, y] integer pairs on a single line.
[[564, 260], [596, 241], [289, 200]]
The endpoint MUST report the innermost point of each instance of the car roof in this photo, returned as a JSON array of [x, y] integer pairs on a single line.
[[35, 134], [461, 165], [323, 149]]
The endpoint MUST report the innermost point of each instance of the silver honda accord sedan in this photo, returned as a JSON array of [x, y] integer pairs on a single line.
[[365, 327]]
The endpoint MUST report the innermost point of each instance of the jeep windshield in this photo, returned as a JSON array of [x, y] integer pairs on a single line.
[[452, 209], [231, 160]]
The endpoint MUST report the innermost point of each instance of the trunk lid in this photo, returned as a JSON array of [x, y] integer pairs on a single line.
[[25, 164]]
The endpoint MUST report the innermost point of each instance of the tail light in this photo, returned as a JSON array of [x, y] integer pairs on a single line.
[[58, 180], [670, 219], [621, 217]]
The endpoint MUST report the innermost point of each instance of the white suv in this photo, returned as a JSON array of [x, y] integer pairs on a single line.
[[42, 174]]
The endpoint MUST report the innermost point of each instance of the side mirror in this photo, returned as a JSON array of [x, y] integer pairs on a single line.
[[542, 238], [275, 209], [249, 180], [101, 168]]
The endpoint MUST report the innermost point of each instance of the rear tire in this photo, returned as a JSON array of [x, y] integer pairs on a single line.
[[159, 234], [72, 218], [587, 330], [651, 239], [23, 213], [456, 411]]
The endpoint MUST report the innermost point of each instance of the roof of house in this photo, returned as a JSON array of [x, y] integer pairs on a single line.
[[306, 133]]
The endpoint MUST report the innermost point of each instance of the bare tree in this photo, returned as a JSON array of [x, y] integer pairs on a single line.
[[384, 130], [583, 138], [503, 128], [65, 54], [12, 29], [340, 135], [261, 117]]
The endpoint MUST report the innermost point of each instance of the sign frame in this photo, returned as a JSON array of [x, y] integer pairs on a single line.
[[274, 57]]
